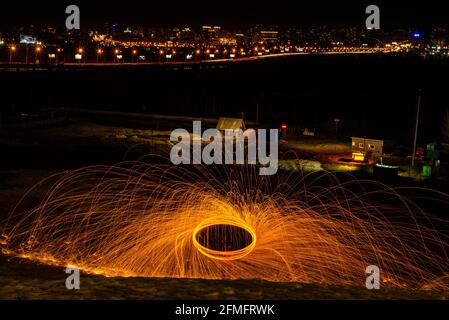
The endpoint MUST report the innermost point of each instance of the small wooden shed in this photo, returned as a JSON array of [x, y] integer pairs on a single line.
[[364, 149]]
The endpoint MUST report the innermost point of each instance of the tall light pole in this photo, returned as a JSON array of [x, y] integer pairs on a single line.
[[38, 51], [134, 52], [416, 127], [198, 54], [99, 52], [161, 53], [11, 52], [57, 55], [83, 56], [337, 121]]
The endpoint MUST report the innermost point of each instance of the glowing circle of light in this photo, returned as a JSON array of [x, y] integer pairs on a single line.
[[224, 254]]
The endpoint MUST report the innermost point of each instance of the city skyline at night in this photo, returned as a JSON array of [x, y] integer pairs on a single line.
[[156, 32], [116, 43]]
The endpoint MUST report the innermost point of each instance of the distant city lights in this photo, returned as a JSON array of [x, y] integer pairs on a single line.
[[213, 42]]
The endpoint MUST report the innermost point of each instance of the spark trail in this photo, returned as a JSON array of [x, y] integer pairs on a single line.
[[138, 219]]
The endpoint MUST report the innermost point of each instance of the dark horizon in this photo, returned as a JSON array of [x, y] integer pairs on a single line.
[[400, 14]]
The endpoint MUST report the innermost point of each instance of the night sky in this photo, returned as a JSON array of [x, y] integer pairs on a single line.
[[227, 13]]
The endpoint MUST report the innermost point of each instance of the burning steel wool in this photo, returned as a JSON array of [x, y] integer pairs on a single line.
[[148, 220]]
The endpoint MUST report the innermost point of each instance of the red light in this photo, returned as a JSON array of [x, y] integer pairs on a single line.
[[284, 126]]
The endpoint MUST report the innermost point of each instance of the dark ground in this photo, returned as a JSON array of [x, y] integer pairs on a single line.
[[21, 279]]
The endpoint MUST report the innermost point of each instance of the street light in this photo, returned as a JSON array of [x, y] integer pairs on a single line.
[[81, 52], [58, 51], [38, 51], [161, 54], [116, 52], [12, 49], [99, 52], [134, 52]]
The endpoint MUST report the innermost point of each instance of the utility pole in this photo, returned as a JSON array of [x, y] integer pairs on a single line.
[[416, 127], [337, 121]]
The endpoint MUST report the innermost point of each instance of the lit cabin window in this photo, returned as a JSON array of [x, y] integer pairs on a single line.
[[361, 145], [371, 146]]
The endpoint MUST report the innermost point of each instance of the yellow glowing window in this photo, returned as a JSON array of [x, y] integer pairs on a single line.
[[357, 156]]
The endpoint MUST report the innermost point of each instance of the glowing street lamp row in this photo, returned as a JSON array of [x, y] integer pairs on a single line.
[[80, 53], [13, 48], [134, 51]]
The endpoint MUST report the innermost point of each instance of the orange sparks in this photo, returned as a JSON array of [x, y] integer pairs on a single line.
[[138, 219]]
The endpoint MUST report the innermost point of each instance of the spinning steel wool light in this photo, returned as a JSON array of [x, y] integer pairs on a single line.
[[137, 219]]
